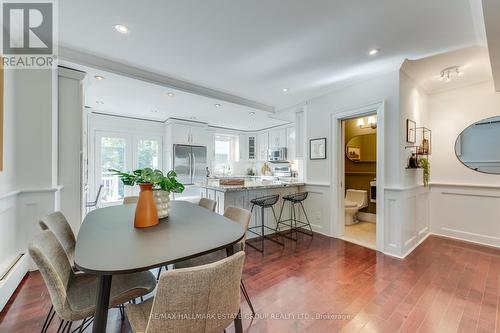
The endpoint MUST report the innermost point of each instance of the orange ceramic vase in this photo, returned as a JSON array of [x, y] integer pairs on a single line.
[[145, 212]]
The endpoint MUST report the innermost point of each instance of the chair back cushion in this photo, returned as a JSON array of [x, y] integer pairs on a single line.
[[52, 262], [208, 204], [58, 224], [239, 215], [202, 299]]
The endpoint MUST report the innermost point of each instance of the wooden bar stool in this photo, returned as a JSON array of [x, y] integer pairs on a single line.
[[264, 202], [293, 223]]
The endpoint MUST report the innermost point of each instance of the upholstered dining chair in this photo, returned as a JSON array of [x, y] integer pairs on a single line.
[[203, 299], [208, 204], [238, 215], [59, 225], [130, 199], [73, 295]]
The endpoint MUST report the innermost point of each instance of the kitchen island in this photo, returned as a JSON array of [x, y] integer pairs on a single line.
[[253, 187]]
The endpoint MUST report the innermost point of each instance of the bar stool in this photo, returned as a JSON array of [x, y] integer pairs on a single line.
[[294, 199], [264, 202]]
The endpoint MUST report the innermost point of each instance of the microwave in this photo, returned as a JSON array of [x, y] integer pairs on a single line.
[[276, 155]]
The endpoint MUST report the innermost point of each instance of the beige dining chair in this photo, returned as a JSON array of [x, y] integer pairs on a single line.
[[130, 199], [204, 299], [73, 295], [240, 216], [208, 204], [59, 225]]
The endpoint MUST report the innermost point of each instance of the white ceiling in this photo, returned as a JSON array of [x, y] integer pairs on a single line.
[[253, 49], [473, 62], [128, 97]]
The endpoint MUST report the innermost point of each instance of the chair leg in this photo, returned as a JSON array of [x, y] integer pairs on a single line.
[[60, 326], [307, 219], [238, 326], [48, 319], [159, 272], [247, 297], [69, 326]]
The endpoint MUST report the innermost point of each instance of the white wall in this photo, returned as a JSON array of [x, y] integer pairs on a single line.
[[26, 184], [463, 203], [319, 113]]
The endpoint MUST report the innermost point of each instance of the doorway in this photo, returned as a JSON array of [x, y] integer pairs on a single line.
[[357, 172]]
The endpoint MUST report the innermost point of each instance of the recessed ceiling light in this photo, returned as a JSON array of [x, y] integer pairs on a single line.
[[251, 113], [99, 77], [99, 102], [217, 105], [123, 29], [154, 111], [285, 89], [373, 52], [193, 118], [170, 94]]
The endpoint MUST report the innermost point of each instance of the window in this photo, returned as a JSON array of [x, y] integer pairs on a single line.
[[148, 152], [225, 153], [113, 154], [122, 151]]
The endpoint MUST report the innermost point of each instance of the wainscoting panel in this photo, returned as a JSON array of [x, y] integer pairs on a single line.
[[406, 219], [318, 207], [466, 212]]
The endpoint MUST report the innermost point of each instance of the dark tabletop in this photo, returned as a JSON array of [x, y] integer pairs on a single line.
[[108, 243]]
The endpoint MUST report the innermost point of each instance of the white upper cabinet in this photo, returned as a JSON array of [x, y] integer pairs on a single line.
[[243, 150], [290, 143], [277, 138], [262, 146], [184, 133]]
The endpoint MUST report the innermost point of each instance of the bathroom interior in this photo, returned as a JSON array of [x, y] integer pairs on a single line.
[[360, 167]]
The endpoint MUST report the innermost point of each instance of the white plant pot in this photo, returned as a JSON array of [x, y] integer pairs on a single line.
[[162, 200]]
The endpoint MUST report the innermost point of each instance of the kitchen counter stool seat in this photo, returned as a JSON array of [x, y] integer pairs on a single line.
[[264, 202]]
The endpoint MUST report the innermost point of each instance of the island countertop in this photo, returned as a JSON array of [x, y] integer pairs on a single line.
[[250, 184]]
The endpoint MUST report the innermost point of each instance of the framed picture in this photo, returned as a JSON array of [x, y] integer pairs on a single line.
[[354, 153], [411, 131], [317, 149]]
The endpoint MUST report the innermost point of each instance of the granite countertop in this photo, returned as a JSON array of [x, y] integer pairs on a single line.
[[254, 184]]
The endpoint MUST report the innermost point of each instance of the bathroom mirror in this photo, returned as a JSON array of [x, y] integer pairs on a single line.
[[478, 148], [362, 148]]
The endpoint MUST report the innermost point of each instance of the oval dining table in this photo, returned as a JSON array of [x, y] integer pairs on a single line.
[[108, 244]]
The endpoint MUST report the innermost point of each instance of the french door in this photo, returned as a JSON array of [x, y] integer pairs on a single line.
[[122, 151]]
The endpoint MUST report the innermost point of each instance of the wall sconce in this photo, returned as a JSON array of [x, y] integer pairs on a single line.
[[372, 122]]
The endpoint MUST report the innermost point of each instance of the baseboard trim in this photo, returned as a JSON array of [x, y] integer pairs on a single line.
[[410, 250], [367, 217], [9, 285], [465, 240]]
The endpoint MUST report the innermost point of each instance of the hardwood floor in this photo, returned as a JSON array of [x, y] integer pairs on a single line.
[[443, 286]]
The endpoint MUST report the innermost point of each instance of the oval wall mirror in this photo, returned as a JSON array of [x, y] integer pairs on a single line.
[[362, 148], [478, 146]]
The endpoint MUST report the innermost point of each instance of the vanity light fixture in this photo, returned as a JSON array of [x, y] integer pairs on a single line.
[[448, 73], [99, 77], [123, 29], [372, 122]]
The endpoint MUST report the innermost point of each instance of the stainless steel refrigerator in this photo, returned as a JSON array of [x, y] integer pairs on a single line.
[[190, 163]]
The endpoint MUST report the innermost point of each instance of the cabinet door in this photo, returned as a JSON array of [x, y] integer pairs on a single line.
[[277, 138], [243, 150], [290, 143], [199, 136], [251, 147], [263, 145], [181, 134]]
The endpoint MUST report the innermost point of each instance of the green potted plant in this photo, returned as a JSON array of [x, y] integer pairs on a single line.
[[423, 162], [161, 185]]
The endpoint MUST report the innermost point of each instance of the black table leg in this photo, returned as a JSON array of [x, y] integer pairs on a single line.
[[101, 310], [238, 325]]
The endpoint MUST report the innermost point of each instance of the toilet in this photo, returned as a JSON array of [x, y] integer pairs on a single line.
[[354, 201]]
